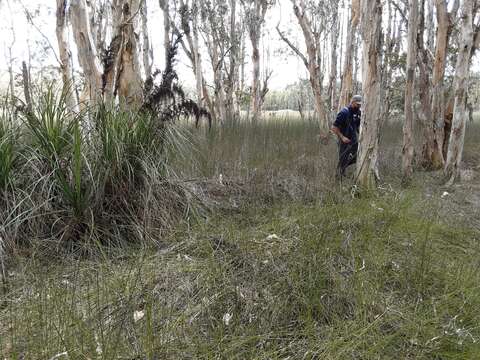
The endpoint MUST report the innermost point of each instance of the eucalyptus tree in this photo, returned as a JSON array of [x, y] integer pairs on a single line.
[[434, 139], [468, 41], [165, 7], [335, 44], [88, 57], [120, 75], [147, 50], [122, 71], [346, 90], [222, 30], [312, 17], [194, 22], [371, 30], [254, 14], [64, 52], [407, 151]]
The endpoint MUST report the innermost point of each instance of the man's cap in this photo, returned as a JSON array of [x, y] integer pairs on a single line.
[[357, 98]]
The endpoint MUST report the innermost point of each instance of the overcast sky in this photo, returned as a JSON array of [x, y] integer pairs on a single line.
[[286, 68]]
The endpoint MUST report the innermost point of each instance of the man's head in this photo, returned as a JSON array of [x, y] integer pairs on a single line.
[[356, 102]]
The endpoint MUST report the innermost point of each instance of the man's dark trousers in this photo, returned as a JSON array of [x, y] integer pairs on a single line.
[[347, 156]]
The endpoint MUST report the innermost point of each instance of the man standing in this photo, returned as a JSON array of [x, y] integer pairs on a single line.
[[346, 127]]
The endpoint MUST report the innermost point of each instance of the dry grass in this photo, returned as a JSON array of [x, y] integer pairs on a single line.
[[285, 264]]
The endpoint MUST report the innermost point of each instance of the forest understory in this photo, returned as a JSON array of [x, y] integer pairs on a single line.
[[147, 213], [274, 260]]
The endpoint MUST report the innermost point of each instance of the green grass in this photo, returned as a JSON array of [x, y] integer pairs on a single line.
[[278, 262], [73, 181], [371, 278]]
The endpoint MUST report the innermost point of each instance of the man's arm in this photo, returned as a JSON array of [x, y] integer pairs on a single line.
[[339, 122], [337, 132]]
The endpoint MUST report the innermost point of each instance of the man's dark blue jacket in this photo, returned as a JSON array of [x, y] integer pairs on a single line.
[[348, 121]]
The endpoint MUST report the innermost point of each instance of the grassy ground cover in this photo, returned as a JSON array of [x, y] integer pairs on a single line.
[[376, 278], [278, 262]]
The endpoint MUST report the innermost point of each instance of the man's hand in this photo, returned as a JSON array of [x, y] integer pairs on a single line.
[[342, 137]]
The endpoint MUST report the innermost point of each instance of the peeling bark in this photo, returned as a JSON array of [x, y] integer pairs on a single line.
[[367, 160], [332, 86], [460, 113], [407, 151], [147, 51], [122, 72], [346, 90], [165, 6], [434, 155], [87, 54], [255, 11], [64, 53]]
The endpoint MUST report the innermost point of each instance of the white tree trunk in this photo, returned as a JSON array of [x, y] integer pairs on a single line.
[[334, 45], [64, 52], [346, 90], [436, 135], [87, 54], [256, 16], [460, 113], [165, 6], [146, 48], [407, 152], [313, 62], [197, 58], [367, 160], [122, 71], [130, 89], [232, 70]]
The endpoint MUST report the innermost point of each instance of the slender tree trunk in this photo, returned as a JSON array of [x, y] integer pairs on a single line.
[[346, 91], [189, 22], [460, 114], [434, 155], [341, 51], [102, 26], [146, 48], [256, 18], [367, 161], [430, 25], [240, 60], [313, 64], [165, 6], [232, 79], [334, 43], [122, 71], [407, 152], [26, 86], [64, 53], [242, 65], [129, 80], [87, 54], [209, 102], [217, 64], [423, 84], [387, 68], [201, 94], [98, 20], [11, 83]]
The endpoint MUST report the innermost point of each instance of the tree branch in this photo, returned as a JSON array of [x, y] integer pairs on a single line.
[[30, 20], [402, 13], [293, 47]]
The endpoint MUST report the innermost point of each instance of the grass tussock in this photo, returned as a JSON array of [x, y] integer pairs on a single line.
[[77, 180]]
